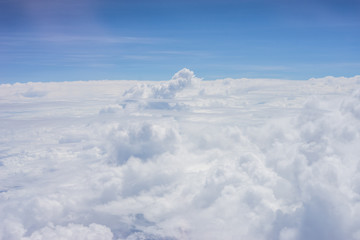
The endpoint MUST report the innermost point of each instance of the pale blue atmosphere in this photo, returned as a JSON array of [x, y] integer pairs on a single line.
[[150, 40]]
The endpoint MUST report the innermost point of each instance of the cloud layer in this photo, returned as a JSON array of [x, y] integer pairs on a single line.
[[183, 159]]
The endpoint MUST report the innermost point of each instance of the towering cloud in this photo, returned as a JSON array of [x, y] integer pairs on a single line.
[[180, 81]]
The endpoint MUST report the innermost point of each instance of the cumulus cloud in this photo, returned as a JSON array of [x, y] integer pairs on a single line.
[[72, 231], [33, 94], [183, 159], [142, 141], [180, 81]]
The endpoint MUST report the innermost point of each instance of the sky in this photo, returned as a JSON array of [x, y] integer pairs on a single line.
[[150, 40]]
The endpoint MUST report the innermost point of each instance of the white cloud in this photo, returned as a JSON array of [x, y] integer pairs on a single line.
[[180, 81], [183, 159], [142, 141], [72, 231]]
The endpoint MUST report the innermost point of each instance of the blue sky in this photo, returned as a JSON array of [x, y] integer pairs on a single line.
[[66, 40]]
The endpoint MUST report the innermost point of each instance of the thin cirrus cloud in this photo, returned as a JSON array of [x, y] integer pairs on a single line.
[[66, 48], [58, 38]]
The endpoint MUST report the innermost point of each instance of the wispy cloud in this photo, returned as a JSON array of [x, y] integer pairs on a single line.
[[181, 53], [253, 67], [56, 38], [138, 57]]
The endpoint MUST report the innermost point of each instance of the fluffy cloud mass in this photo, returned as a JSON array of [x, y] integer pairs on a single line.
[[182, 159]]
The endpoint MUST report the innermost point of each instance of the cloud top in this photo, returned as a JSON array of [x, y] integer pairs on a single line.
[[181, 159], [181, 80]]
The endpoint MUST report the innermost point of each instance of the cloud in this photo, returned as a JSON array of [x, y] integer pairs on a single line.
[[73, 231], [33, 94], [76, 39], [142, 141], [156, 96], [182, 159], [180, 81]]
